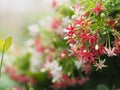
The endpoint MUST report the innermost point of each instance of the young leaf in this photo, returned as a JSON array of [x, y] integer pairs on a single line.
[[8, 43], [5, 43], [2, 42]]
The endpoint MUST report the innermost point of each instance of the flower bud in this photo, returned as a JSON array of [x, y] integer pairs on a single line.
[[102, 15]]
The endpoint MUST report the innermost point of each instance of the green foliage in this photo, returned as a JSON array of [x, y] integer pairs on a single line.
[[65, 10], [5, 44], [23, 62]]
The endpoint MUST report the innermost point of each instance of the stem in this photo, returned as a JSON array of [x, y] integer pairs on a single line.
[[99, 59], [109, 40], [2, 59], [101, 23]]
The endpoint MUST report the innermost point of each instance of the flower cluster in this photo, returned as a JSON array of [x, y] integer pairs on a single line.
[[63, 50], [93, 33]]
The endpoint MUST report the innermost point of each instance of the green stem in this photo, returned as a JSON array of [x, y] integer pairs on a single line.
[[109, 40], [101, 24], [2, 59]]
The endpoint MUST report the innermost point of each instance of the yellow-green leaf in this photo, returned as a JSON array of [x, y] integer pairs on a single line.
[[2, 42], [8, 43], [5, 43]]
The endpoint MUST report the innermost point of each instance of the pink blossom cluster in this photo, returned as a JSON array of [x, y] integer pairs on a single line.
[[86, 41], [19, 77]]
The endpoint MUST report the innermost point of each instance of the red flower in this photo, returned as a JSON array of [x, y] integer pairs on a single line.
[[55, 23], [71, 30], [78, 21], [87, 56], [54, 3], [87, 69], [71, 41], [89, 37], [38, 45], [111, 23], [22, 79], [100, 51], [82, 80], [65, 82], [97, 9]]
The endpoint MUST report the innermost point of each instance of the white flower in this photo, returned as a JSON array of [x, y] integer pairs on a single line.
[[54, 69], [29, 42], [100, 65], [56, 74], [79, 64], [33, 30], [35, 62], [110, 52]]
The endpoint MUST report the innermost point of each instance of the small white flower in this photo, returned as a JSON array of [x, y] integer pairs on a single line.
[[100, 65], [56, 74], [110, 52], [33, 30], [96, 47], [54, 69], [79, 64]]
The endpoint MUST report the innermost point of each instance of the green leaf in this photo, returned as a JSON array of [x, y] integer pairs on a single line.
[[2, 42], [5, 43], [8, 43]]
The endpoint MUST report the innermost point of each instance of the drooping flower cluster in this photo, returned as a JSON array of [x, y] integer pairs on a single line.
[[89, 34]]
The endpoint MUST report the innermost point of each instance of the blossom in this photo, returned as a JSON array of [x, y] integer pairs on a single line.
[[55, 23], [88, 37], [111, 23], [110, 52], [98, 50], [54, 3], [87, 56], [78, 21], [54, 69], [79, 64], [33, 30], [97, 9], [100, 65], [70, 31]]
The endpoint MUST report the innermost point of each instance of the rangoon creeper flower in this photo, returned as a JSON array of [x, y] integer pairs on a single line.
[[100, 65], [79, 63], [54, 69], [35, 62], [33, 30], [110, 52], [98, 8]]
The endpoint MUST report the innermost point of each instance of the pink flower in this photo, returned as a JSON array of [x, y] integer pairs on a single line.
[[70, 31], [54, 3], [38, 45], [87, 56], [110, 52], [97, 9], [88, 37], [55, 23], [78, 21], [100, 65]]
